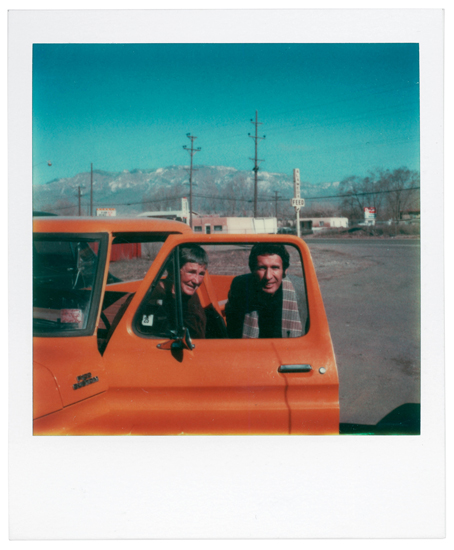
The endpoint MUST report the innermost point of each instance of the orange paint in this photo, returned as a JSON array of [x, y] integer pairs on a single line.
[[222, 386]]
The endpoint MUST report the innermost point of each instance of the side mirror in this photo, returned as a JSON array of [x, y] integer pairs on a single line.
[[179, 341]]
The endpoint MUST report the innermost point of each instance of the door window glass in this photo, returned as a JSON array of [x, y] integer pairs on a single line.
[[65, 271], [260, 289], [157, 315], [246, 291], [174, 302]]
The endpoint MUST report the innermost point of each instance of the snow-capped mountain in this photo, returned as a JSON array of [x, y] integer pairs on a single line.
[[127, 190]]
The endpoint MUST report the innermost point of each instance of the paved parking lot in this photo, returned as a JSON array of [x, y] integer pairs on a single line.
[[371, 291]]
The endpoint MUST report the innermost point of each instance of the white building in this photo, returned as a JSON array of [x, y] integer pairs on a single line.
[[320, 224], [178, 215], [215, 224], [230, 225]]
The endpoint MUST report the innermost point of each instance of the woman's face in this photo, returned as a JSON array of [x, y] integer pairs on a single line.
[[191, 277]]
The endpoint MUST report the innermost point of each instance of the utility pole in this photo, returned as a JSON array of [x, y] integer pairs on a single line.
[[79, 197], [256, 160], [275, 202], [192, 152], [91, 191]]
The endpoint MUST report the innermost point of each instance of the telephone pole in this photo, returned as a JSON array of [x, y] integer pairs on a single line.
[[275, 202], [192, 152], [255, 159], [79, 197]]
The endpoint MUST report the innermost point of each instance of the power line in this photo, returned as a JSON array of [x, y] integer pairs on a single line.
[[259, 199], [341, 119], [319, 105]]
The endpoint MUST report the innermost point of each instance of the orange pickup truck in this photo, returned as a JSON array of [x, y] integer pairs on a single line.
[[105, 364]]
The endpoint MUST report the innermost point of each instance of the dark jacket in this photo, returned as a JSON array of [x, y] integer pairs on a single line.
[[163, 307], [245, 296]]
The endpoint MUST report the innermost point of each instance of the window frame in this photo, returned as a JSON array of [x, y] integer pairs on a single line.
[[135, 322]]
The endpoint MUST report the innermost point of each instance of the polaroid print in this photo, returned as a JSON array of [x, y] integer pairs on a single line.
[[230, 241]]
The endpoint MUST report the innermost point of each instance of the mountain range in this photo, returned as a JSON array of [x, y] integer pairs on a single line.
[[216, 189]]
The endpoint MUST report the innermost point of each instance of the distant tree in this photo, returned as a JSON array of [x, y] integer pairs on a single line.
[[209, 201], [163, 198], [235, 196], [358, 193], [388, 191], [320, 210], [63, 207], [402, 190]]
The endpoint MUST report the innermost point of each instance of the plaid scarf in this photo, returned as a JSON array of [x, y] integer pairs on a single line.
[[291, 322]]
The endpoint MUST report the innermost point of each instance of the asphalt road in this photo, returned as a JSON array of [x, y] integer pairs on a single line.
[[371, 292]]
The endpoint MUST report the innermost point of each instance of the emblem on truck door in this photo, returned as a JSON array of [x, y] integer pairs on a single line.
[[85, 380]]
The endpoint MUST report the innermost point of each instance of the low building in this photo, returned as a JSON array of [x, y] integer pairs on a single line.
[[231, 225], [320, 224], [216, 224], [181, 215], [410, 215]]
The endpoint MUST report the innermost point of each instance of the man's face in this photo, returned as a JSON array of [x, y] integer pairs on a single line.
[[269, 273], [191, 277]]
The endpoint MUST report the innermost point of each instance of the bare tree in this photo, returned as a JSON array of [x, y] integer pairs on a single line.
[[389, 192], [320, 210], [236, 195], [210, 203], [63, 207], [360, 192], [402, 190], [163, 198]]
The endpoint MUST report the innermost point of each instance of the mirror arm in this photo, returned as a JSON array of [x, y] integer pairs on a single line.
[[180, 341]]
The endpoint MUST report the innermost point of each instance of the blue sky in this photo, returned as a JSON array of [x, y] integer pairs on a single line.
[[331, 110]]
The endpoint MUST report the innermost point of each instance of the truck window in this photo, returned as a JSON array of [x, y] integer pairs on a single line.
[[132, 255], [265, 300], [66, 279]]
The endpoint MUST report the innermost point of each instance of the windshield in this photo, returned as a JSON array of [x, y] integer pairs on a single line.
[[65, 270]]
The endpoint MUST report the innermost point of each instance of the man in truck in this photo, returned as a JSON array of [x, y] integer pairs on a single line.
[[264, 303]]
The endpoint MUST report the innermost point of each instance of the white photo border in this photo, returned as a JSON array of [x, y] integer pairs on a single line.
[[225, 487]]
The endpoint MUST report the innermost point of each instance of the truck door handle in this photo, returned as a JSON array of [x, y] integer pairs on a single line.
[[294, 368]]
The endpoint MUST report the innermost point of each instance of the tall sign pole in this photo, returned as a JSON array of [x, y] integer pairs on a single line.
[[297, 202]]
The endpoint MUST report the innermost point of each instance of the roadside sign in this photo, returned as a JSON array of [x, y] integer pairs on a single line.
[[106, 212], [296, 182], [369, 212], [185, 206], [297, 202]]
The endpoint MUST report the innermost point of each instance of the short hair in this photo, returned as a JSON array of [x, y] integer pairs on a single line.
[[268, 249], [193, 253]]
